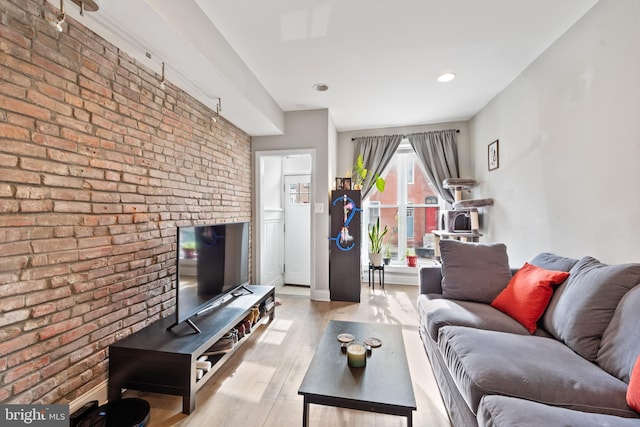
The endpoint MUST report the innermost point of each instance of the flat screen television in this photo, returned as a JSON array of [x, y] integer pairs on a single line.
[[213, 261]]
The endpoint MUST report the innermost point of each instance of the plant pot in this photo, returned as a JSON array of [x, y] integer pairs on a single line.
[[375, 259], [412, 260], [189, 253], [386, 261]]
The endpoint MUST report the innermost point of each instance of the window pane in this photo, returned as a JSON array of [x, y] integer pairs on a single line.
[[299, 193], [389, 217], [390, 194], [409, 223]]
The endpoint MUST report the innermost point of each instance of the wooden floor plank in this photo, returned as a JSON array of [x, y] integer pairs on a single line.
[[258, 386]]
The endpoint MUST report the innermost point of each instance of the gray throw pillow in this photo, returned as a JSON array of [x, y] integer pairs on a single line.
[[582, 307], [473, 271], [550, 261]]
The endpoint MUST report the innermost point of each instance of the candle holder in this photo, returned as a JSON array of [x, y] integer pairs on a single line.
[[356, 354]]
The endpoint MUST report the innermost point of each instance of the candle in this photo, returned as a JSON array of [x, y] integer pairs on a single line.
[[356, 355]]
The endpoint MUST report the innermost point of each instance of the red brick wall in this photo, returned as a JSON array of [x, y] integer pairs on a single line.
[[98, 166]]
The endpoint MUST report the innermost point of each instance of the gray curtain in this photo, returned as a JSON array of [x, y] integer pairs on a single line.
[[377, 152], [438, 152]]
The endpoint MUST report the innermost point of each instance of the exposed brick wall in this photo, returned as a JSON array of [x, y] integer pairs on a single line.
[[98, 166]]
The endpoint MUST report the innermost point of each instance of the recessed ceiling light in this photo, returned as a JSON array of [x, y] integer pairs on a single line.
[[446, 77], [321, 87]]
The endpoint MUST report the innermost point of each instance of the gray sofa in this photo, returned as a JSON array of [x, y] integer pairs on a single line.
[[572, 371]]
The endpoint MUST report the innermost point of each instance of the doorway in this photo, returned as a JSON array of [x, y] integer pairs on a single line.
[[283, 243]]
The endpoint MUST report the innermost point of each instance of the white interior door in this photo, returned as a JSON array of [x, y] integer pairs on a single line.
[[297, 235]]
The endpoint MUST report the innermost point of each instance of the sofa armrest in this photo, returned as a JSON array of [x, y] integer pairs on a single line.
[[430, 280]]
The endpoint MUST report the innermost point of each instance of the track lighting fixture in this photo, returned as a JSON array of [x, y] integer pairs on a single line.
[[218, 110], [162, 79], [88, 5], [57, 23]]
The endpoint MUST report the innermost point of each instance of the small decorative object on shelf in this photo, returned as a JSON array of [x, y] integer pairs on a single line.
[[346, 183], [356, 354]]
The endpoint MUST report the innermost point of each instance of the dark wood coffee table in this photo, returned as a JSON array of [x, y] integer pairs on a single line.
[[383, 386]]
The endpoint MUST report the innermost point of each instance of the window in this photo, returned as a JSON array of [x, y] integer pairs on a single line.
[[406, 207], [299, 193]]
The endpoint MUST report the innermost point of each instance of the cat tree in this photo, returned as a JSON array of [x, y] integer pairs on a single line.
[[461, 208]]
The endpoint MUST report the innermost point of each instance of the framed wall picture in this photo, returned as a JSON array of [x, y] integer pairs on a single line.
[[339, 184], [493, 155]]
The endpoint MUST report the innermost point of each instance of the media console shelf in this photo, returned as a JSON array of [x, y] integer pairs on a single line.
[[164, 361]]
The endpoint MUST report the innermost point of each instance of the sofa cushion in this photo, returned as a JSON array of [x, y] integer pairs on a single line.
[[529, 367], [526, 296], [473, 271], [436, 311], [633, 391], [620, 345], [551, 261], [503, 411], [583, 306]]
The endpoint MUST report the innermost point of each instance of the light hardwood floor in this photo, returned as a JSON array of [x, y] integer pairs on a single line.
[[258, 386]]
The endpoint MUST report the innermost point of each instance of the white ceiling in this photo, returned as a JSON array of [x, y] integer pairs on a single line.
[[380, 58]]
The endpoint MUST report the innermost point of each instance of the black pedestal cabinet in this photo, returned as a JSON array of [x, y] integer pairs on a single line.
[[345, 245]]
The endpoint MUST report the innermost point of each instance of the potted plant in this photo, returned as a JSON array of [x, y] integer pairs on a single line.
[[360, 174], [376, 236], [412, 258], [189, 249], [386, 257]]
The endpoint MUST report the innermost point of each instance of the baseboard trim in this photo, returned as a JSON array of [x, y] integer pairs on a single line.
[[277, 281], [98, 393], [321, 296]]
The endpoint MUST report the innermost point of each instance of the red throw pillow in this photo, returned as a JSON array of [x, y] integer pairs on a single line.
[[528, 293], [633, 391]]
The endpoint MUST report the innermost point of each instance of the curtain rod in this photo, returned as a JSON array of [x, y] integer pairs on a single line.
[[404, 136]]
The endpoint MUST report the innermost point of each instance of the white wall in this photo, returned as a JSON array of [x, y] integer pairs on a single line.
[[569, 134], [313, 130]]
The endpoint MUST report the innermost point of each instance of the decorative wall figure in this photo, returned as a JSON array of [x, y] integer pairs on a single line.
[[344, 239]]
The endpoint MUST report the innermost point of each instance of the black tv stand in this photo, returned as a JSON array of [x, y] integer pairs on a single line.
[[159, 360]]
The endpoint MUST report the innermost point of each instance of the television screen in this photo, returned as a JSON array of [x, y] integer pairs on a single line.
[[213, 260]]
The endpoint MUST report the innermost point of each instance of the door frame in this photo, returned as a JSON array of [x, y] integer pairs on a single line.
[[258, 212]]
